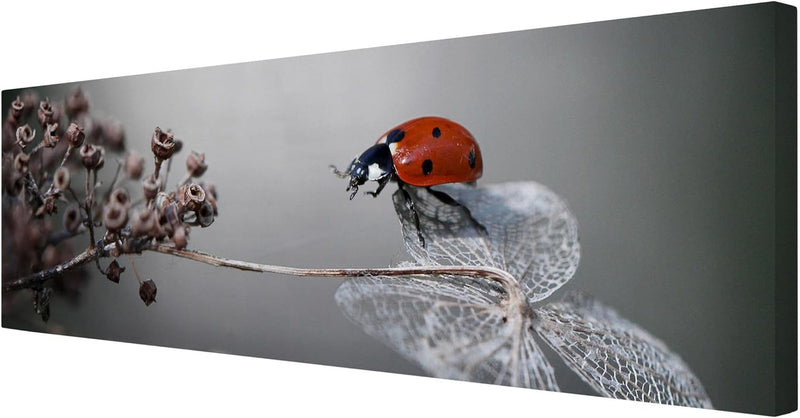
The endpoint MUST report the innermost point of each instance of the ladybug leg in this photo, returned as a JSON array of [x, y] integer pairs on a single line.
[[382, 182], [413, 209]]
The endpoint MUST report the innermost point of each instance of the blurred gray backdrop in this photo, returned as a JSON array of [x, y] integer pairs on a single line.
[[657, 131]]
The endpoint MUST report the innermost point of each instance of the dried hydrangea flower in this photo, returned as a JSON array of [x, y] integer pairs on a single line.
[[50, 138], [46, 113]]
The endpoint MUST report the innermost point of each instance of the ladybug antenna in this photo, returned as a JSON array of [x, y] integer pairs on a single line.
[[340, 174]]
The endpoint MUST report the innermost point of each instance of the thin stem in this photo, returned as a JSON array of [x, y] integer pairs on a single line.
[[135, 270], [88, 207]]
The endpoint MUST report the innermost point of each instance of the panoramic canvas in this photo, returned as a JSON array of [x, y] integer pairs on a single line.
[[602, 209]]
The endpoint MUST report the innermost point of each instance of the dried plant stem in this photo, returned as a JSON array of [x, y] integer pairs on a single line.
[[91, 254], [88, 207]]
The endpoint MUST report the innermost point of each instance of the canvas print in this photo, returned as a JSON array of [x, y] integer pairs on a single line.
[[601, 209]]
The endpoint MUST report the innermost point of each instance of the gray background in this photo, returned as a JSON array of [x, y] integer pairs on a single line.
[[658, 132]]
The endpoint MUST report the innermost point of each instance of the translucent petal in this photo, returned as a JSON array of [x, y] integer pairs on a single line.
[[452, 326], [615, 356], [522, 227]]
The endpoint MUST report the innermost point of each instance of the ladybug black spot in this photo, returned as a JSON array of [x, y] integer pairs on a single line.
[[471, 158], [436, 132], [427, 167], [396, 135]]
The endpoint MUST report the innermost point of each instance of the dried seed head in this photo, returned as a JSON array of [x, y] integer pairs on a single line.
[[25, 135], [134, 165], [113, 134], [76, 103], [115, 216], [49, 207], [120, 196], [114, 271], [196, 164], [150, 185], [180, 237], [162, 144], [72, 219], [92, 156], [147, 292], [61, 178], [143, 223], [75, 135], [191, 196], [205, 215], [16, 110], [50, 138], [46, 113], [21, 162]]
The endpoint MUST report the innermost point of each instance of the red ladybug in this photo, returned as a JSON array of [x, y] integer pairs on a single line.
[[421, 152]]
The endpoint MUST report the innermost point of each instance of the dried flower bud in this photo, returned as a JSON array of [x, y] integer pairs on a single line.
[[162, 144], [72, 219], [205, 215], [49, 207], [114, 271], [143, 223], [150, 185], [115, 216], [75, 135], [120, 196], [21, 162], [113, 134], [191, 196], [25, 135], [76, 103], [147, 291], [16, 110], [50, 138], [180, 237], [41, 302], [61, 178], [196, 164], [134, 165], [92, 156], [46, 113], [172, 218]]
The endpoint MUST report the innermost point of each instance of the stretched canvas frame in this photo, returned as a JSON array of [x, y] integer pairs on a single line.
[[297, 193]]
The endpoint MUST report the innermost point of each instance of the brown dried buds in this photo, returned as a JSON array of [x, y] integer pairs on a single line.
[[61, 178], [120, 197], [76, 103], [144, 223], [150, 185], [50, 138], [17, 109], [75, 135], [191, 197], [25, 135], [72, 219], [21, 162], [134, 165], [46, 113], [147, 291], [196, 164], [162, 144], [114, 271], [92, 156], [115, 216]]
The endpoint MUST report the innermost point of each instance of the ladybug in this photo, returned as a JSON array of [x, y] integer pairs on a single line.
[[420, 152]]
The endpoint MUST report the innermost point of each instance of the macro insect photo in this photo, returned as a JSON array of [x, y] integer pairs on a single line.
[[551, 209]]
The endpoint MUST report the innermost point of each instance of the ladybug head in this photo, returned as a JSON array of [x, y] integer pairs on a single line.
[[373, 164]]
